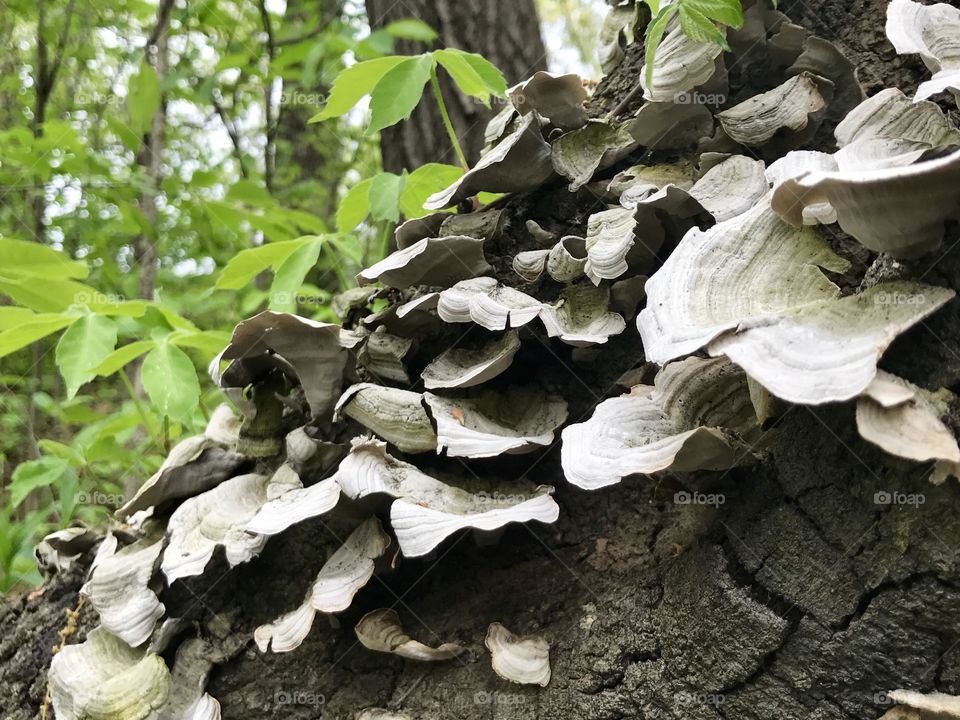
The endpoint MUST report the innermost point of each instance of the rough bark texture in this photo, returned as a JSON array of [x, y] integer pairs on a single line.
[[506, 33], [802, 595]]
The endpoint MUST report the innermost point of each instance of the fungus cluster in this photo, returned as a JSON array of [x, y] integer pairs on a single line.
[[717, 228]]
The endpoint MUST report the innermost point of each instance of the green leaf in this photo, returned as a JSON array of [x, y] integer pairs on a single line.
[[34, 474], [397, 93], [39, 327], [480, 80], [209, 342], [652, 38], [58, 449], [21, 257], [143, 98], [50, 295], [85, 344], [354, 207], [170, 380], [353, 83], [247, 264], [346, 245], [700, 28], [290, 276], [121, 357], [725, 12], [12, 316], [424, 182], [411, 29], [384, 196], [377, 44]]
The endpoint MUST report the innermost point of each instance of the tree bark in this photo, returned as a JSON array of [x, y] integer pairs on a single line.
[[797, 597], [506, 33]]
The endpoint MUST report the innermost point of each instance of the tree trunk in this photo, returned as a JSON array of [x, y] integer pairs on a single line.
[[506, 33], [797, 597]]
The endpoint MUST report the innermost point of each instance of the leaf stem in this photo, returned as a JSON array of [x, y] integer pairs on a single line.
[[435, 84], [384, 247], [139, 405]]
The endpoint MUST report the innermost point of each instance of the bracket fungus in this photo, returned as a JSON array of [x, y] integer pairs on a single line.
[[381, 631], [431, 261], [119, 591], [487, 303], [398, 416], [582, 317], [342, 576], [939, 705], [717, 279], [520, 161], [462, 368], [215, 517], [789, 106], [426, 511], [904, 420], [557, 98], [294, 504], [193, 465], [103, 677], [828, 350], [696, 416], [731, 187], [597, 145], [522, 660], [681, 64], [900, 211], [933, 32], [490, 423], [311, 351], [57, 551]]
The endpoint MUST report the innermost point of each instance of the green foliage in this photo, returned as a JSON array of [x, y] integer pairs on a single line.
[[397, 93], [395, 84], [143, 98], [85, 344], [170, 380], [43, 472], [698, 21]]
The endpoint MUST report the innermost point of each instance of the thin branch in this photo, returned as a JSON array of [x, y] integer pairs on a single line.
[[163, 15], [232, 132], [270, 123], [61, 45]]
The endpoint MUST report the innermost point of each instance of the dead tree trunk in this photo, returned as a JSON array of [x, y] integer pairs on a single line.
[[506, 33], [798, 597]]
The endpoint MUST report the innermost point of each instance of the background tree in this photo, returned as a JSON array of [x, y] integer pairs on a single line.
[[506, 33]]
